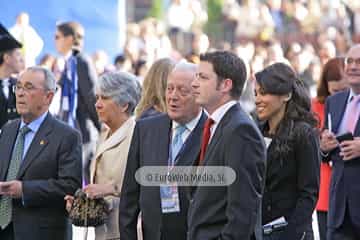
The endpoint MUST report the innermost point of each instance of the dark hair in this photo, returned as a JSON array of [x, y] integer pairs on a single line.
[[228, 65], [281, 79], [2, 55], [119, 59], [74, 29], [332, 72], [138, 65]]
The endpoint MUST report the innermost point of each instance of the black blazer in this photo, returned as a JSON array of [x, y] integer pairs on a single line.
[[292, 179], [86, 95], [231, 212], [345, 181], [8, 106], [50, 170], [150, 147]]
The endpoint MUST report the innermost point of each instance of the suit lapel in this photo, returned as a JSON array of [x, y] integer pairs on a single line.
[[338, 110], [357, 128], [105, 144], [39, 142], [115, 139], [6, 148], [219, 132], [161, 143]]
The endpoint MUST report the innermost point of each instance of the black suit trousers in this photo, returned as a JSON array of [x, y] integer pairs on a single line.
[[347, 230], [7, 233]]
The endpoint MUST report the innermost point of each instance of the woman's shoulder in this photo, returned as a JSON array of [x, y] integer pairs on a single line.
[[303, 130]]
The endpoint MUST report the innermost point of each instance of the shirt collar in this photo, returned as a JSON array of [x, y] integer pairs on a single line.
[[35, 125], [351, 95], [5, 82], [189, 125], [219, 113]]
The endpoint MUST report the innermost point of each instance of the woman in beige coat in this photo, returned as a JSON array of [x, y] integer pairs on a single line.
[[117, 96]]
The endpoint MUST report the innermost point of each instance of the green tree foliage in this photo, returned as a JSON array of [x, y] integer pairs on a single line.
[[156, 10], [213, 27]]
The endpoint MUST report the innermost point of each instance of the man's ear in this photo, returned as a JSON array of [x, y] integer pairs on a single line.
[[227, 85]]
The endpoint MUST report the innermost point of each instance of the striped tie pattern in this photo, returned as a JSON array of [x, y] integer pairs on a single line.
[[177, 141], [6, 201]]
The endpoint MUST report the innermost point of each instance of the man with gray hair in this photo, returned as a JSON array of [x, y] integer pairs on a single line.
[[171, 139], [40, 163]]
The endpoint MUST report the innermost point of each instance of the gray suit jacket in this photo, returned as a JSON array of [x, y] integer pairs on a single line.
[[51, 169], [231, 212]]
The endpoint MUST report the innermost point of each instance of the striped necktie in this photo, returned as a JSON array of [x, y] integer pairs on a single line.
[[177, 142], [15, 162]]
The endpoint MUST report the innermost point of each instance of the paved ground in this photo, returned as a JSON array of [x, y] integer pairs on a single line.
[[78, 233]]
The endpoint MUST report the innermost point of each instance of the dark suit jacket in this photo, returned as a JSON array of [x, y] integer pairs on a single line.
[[150, 147], [292, 180], [8, 106], [345, 180], [86, 95], [50, 170], [231, 212]]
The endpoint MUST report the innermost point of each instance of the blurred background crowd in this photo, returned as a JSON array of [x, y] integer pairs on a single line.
[[304, 33]]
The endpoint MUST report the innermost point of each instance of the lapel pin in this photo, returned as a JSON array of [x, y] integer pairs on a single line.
[[42, 142]]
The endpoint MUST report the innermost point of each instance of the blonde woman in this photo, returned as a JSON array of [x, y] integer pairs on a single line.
[[153, 95]]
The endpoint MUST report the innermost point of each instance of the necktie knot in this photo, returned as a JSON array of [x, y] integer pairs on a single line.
[[179, 130], [177, 141], [208, 123], [24, 130]]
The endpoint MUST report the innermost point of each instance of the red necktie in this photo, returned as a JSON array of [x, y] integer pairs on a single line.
[[205, 139]]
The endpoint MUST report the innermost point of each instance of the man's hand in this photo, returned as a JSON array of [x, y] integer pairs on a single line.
[[11, 188], [328, 141], [350, 149]]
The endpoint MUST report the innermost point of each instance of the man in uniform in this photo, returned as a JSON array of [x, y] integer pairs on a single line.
[[11, 62]]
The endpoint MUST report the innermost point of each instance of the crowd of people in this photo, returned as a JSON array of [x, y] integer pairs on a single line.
[[281, 110]]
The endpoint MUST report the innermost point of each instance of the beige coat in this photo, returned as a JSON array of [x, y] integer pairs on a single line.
[[108, 166]]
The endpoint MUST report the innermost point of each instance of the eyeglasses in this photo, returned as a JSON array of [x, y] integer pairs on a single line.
[[27, 87], [352, 60]]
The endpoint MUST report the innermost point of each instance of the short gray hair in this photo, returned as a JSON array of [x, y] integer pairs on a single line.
[[49, 78], [122, 87], [185, 66]]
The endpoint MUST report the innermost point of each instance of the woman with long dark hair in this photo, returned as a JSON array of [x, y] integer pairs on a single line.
[[292, 178]]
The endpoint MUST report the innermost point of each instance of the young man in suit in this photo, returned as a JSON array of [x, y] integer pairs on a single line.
[[230, 139], [342, 116], [40, 163], [153, 144], [11, 62], [77, 87]]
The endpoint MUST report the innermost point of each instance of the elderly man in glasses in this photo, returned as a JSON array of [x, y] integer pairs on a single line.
[[40, 163]]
